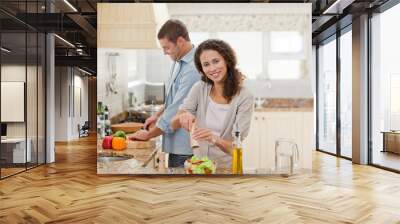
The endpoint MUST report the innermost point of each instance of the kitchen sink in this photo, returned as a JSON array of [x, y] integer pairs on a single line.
[[112, 157], [108, 159]]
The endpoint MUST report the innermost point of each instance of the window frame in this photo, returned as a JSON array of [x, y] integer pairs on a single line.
[[334, 37]]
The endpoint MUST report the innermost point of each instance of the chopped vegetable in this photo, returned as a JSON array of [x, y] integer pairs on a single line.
[[200, 166]]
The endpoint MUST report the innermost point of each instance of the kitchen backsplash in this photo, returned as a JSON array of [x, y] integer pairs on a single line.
[[287, 103]]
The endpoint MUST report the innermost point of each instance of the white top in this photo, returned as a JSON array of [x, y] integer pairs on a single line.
[[215, 117]]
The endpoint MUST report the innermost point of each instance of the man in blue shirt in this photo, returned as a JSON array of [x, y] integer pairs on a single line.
[[174, 39]]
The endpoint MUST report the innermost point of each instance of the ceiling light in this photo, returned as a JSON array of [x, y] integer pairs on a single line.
[[70, 5], [64, 40], [84, 71], [333, 6], [80, 51], [338, 6], [5, 50]]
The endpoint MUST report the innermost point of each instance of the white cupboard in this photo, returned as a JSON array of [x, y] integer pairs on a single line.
[[266, 128]]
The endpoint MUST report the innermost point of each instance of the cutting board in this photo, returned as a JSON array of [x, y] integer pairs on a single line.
[[141, 144], [128, 127]]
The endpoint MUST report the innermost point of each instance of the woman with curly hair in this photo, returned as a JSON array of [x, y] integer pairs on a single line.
[[216, 103]]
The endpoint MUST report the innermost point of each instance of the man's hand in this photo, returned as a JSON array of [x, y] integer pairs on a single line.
[[150, 121], [186, 120], [141, 135]]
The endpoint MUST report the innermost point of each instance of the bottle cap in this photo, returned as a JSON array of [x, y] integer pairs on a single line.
[[237, 131]]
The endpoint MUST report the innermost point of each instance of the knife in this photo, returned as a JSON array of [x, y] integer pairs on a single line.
[[152, 155]]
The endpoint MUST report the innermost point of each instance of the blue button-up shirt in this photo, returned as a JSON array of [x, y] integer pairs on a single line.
[[181, 81]]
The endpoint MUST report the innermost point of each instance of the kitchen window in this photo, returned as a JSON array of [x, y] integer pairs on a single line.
[[248, 50], [385, 86], [286, 42], [284, 69], [197, 37], [395, 102], [346, 94], [327, 96], [285, 54], [263, 55]]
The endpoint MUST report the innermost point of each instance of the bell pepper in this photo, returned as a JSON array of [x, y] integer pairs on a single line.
[[107, 142]]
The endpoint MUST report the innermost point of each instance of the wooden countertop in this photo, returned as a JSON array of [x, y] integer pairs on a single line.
[[134, 165], [280, 109], [129, 166]]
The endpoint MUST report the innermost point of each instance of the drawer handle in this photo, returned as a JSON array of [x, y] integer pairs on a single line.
[[256, 118]]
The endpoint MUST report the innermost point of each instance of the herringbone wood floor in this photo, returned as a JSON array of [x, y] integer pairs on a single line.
[[69, 191]]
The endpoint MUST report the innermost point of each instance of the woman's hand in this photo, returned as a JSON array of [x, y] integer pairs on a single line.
[[204, 134], [186, 120]]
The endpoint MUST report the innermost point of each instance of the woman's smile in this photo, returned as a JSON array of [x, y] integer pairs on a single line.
[[214, 65], [215, 75]]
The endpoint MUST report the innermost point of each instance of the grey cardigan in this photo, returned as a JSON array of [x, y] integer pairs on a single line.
[[241, 109]]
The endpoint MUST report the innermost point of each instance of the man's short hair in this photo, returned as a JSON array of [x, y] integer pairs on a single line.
[[172, 29]]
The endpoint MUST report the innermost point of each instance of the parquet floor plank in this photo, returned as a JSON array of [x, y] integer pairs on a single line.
[[70, 191]]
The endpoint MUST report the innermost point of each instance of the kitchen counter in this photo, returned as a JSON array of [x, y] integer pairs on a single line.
[[285, 105], [293, 109], [135, 158]]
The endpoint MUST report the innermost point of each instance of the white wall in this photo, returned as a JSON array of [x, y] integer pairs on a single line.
[[33, 127], [261, 18], [132, 68], [79, 117], [280, 88], [135, 67], [153, 66], [68, 81], [62, 81], [14, 73], [158, 66]]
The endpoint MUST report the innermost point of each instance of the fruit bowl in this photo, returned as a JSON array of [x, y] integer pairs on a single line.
[[196, 165]]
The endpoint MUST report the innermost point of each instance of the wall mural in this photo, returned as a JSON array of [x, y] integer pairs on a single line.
[[251, 141]]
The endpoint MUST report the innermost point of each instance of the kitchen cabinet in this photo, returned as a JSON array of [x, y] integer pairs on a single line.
[[266, 128], [123, 25]]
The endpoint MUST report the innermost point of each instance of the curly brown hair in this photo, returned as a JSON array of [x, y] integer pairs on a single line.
[[233, 80]]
